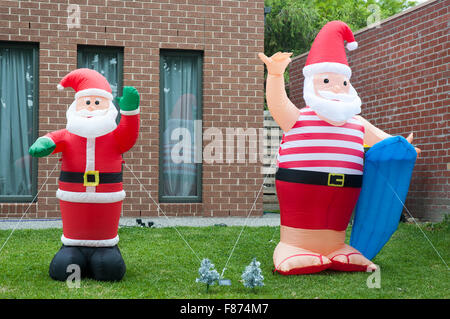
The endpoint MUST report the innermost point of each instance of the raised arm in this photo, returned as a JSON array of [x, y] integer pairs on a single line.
[[283, 111], [127, 132]]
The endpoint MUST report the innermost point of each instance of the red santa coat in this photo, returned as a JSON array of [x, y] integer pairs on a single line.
[[91, 214]]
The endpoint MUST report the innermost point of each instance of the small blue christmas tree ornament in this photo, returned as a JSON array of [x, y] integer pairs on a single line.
[[252, 276], [208, 275]]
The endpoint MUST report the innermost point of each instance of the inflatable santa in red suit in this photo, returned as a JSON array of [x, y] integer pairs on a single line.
[[90, 184], [320, 160]]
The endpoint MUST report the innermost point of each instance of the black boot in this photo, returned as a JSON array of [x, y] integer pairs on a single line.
[[106, 264], [66, 256]]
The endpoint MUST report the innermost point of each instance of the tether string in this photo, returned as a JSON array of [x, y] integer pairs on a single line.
[[246, 219], [160, 209], [417, 224], [26, 211]]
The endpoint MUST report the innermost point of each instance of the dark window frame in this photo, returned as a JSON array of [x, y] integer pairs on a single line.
[[81, 48], [35, 130], [199, 168]]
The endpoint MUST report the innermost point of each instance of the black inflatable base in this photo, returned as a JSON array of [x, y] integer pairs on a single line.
[[99, 263]]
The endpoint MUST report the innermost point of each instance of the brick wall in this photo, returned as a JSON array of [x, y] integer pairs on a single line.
[[230, 33], [400, 71]]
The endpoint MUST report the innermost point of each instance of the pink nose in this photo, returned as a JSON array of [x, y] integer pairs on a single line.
[[336, 89]]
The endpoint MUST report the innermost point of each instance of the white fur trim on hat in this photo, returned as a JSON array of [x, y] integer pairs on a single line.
[[352, 45], [94, 92], [84, 197], [133, 112], [90, 243], [60, 87], [324, 67]]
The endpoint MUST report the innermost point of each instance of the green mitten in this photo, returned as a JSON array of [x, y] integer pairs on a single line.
[[42, 147], [129, 100]]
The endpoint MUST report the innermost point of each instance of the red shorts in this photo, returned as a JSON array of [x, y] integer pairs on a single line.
[[316, 206]]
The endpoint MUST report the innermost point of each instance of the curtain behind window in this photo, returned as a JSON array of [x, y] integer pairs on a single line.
[[180, 80], [105, 61], [16, 120]]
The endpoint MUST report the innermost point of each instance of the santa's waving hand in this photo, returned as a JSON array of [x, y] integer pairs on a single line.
[[90, 184]]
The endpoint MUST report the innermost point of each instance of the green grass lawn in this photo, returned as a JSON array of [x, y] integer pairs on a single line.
[[160, 265]]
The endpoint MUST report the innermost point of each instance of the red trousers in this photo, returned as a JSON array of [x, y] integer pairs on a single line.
[[316, 206], [90, 224]]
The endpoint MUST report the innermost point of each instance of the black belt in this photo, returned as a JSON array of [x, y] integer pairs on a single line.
[[318, 178], [90, 178]]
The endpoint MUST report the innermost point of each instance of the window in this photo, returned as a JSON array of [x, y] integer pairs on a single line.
[[18, 120], [180, 169], [106, 60]]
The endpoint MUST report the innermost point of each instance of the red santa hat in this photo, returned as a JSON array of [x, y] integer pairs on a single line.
[[86, 82], [327, 52]]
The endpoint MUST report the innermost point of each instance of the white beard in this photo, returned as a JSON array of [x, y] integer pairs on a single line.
[[337, 111], [100, 123]]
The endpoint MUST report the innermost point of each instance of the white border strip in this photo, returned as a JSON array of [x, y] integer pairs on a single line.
[[94, 92], [83, 197], [90, 243], [133, 112]]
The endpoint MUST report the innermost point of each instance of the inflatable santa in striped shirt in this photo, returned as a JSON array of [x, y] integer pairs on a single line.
[[320, 160]]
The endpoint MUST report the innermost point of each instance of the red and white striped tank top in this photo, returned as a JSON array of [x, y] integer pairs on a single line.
[[315, 145]]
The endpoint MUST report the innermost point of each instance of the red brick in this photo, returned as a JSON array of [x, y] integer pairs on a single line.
[[232, 85]]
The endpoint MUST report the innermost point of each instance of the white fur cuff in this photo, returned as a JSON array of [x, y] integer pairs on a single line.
[[133, 112]]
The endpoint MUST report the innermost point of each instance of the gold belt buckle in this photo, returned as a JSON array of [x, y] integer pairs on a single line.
[[91, 173], [336, 180]]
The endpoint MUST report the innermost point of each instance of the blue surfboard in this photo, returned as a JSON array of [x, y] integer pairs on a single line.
[[388, 166]]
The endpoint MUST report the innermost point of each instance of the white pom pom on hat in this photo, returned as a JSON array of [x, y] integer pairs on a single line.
[[352, 45]]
